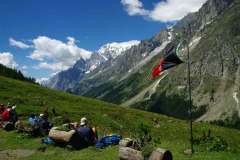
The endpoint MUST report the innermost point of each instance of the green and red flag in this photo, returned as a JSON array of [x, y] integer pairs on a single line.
[[169, 60]]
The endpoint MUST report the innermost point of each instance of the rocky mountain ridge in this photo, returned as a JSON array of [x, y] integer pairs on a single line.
[[214, 60], [69, 78]]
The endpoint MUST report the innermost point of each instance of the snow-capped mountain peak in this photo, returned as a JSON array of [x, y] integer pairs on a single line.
[[114, 49]]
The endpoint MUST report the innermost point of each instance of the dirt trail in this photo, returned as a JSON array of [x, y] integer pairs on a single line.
[[14, 154]]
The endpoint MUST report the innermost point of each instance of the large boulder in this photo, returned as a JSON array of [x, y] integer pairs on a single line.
[[126, 142], [161, 154], [126, 153], [61, 136]]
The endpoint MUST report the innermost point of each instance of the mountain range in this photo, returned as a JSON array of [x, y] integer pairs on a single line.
[[121, 72]]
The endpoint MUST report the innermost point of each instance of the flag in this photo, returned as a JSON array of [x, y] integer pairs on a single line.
[[168, 61]]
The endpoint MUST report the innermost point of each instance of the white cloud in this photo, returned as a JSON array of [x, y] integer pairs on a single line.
[[134, 7], [164, 11], [173, 10], [18, 44], [24, 67], [55, 54], [25, 73], [52, 66], [7, 59]]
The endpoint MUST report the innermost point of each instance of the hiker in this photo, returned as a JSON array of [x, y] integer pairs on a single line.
[[85, 129], [44, 124], [13, 115], [84, 135], [8, 118], [33, 119]]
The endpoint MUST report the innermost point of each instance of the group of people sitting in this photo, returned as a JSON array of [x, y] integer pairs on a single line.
[[76, 135]]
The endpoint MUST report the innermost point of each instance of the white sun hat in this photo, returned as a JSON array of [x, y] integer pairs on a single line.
[[83, 121], [14, 107]]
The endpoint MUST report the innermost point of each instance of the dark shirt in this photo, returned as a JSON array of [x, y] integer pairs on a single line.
[[86, 133], [13, 116]]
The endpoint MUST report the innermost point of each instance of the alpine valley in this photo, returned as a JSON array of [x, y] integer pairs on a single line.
[[121, 72]]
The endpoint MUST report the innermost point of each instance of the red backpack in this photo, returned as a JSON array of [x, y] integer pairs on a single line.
[[6, 115]]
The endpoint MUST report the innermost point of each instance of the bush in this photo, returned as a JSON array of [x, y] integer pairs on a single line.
[[211, 143]]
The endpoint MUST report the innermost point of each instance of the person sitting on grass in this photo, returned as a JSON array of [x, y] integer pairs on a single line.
[[84, 135], [33, 119], [13, 117], [44, 124]]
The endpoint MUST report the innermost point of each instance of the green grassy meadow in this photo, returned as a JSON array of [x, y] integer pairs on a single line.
[[171, 133]]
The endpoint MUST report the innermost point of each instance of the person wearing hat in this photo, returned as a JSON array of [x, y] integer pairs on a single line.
[[83, 122], [13, 117], [84, 135], [44, 124]]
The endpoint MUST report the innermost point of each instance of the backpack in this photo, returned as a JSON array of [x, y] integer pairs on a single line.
[[108, 140], [6, 115]]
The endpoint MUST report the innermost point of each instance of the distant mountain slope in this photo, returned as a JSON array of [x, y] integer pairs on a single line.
[[214, 44], [215, 61], [66, 80], [215, 66], [108, 118]]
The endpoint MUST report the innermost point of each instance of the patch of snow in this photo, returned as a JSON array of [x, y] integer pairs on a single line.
[[92, 67], [195, 41], [114, 49], [235, 97], [42, 80], [181, 87], [144, 54], [170, 35], [105, 58]]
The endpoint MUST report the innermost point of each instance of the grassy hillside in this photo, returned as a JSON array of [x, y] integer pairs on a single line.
[[170, 133]]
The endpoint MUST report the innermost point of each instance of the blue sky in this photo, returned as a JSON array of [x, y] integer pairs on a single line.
[[83, 24]]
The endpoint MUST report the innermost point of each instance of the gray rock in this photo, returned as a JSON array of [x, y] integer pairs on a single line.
[[126, 153], [161, 154]]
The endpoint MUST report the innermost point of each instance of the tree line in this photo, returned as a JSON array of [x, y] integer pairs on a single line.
[[15, 74]]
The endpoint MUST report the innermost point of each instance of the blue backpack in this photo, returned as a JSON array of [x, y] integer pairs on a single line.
[[48, 141], [108, 140]]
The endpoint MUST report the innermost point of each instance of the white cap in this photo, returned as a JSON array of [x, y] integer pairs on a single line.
[[14, 107], [41, 115], [83, 121]]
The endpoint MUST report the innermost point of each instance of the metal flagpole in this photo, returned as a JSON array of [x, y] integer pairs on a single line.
[[189, 88]]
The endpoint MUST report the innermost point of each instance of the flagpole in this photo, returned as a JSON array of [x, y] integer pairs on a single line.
[[189, 88]]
